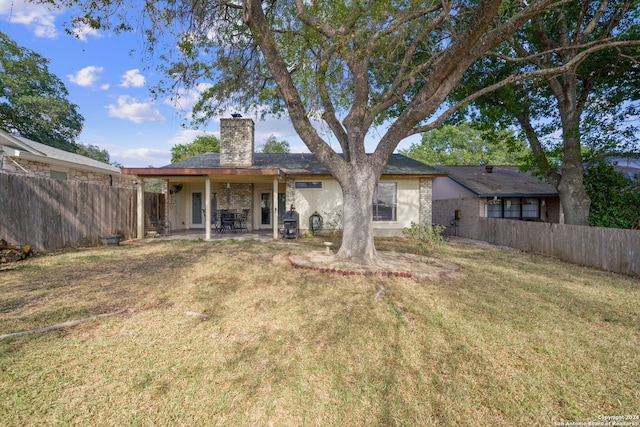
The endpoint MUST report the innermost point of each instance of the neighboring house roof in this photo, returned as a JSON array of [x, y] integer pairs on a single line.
[[287, 164], [629, 166], [502, 181], [15, 146]]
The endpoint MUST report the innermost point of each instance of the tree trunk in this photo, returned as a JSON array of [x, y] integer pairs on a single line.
[[357, 220], [573, 196]]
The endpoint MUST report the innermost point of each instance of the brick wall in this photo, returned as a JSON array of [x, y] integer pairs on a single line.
[[236, 142], [426, 190], [238, 197], [43, 170]]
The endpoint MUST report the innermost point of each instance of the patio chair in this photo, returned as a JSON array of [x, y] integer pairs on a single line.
[[242, 220], [215, 218], [160, 226], [227, 221]]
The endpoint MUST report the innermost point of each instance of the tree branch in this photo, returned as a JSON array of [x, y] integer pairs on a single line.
[[547, 72], [255, 19]]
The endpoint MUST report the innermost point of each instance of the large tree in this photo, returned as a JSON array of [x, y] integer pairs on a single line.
[[33, 102], [352, 64], [594, 44]]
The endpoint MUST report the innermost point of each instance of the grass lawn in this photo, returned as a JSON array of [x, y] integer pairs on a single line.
[[521, 340]]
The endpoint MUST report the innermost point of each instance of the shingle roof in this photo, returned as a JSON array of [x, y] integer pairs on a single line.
[[302, 164], [51, 153], [502, 181]]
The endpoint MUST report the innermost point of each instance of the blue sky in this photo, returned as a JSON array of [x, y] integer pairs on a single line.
[[106, 77]]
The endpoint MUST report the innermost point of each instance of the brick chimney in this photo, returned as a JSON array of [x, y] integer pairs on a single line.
[[236, 142]]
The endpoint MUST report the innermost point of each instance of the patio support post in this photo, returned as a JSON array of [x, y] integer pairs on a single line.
[[274, 221], [140, 208], [207, 208]]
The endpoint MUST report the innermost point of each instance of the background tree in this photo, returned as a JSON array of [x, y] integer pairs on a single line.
[[352, 64], [592, 43], [272, 145], [615, 198], [465, 144], [33, 102], [94, 152], [201, 144]]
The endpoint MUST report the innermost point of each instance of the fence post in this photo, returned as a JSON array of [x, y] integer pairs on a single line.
[[140, 210]]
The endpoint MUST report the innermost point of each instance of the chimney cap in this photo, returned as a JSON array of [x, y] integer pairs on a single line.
[[236, 115], [488, 168]]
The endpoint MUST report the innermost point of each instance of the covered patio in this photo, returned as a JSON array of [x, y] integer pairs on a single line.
[[195, 234]]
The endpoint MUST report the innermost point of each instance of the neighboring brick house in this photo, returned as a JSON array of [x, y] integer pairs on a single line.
[[267, 185], [21, 156], [472, 192]]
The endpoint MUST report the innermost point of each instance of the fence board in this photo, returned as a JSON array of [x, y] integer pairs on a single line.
[[607, 248], [50, 214]]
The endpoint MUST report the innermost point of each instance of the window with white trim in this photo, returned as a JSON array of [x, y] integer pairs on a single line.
[[309, 184], [384, 202]]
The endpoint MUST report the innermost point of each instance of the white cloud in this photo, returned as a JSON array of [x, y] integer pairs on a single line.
[[39, 18], [185, 99], [141, 157], [129, 108], [132, 78], [84, 31], [87, 76]]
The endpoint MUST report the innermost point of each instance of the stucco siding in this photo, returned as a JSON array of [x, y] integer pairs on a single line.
[[328, 203]]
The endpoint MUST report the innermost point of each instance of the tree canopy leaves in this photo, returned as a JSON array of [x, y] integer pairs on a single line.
[[465, 144], [272, 145], [615, 198], [94, 152], [33, 102], [201, 144]]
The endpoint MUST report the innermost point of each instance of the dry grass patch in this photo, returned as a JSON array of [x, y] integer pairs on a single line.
[[521, 340]]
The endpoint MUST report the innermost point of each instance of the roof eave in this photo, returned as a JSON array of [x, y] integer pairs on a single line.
[[519, 195], [66, 164], [156, 172]]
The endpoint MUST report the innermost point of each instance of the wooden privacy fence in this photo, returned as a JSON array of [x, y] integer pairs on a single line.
[[49, 214], [611, 249]]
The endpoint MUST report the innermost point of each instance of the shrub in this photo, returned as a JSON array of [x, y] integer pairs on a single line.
[[427, 237]]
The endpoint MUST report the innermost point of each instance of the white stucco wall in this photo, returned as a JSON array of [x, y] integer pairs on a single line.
[[328, 203]]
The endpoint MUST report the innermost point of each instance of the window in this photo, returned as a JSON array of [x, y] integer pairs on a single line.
[[530, 208], [494, 208], [309, 184], [384, 202], [511, 208], [514, 208], [59, 175]]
